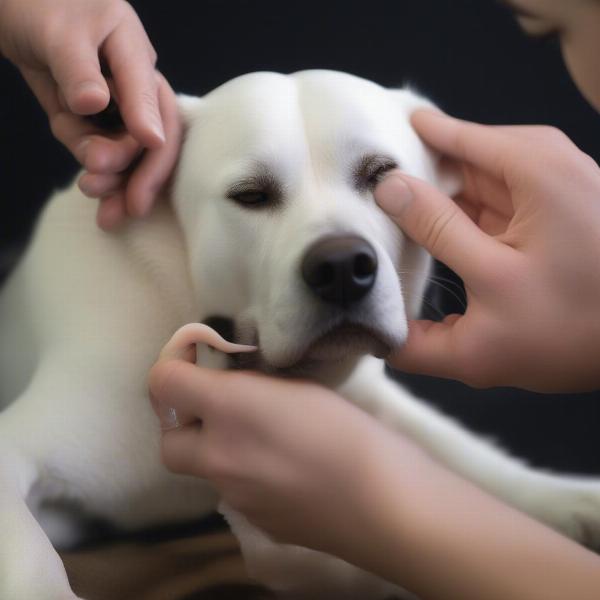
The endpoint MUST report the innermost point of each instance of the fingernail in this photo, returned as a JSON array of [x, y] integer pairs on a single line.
[[393, 194], [86, 188], [168, 417], [90, 86], [157, 130]]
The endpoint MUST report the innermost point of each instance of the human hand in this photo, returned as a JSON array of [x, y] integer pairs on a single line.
[[524, 235], [58, 46], [311, 469], [293, 457]]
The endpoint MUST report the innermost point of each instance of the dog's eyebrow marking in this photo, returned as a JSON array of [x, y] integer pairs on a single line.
[[260, 189], [370, 169]]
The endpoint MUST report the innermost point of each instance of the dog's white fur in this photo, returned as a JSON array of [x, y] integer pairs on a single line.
[[85, 314]]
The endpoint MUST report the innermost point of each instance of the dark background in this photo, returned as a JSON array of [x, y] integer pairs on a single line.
[[467, 55]]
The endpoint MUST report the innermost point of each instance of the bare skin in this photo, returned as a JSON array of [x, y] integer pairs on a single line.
[[524, 236], [416, 518], [57, 45]]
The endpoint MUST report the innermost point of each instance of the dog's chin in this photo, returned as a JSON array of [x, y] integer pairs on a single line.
[[331, 352], [346, 341]]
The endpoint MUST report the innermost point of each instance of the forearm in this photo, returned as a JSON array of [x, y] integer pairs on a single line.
[[444, 539]]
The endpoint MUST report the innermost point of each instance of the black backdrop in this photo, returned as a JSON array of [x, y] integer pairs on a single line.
[[468, 55]]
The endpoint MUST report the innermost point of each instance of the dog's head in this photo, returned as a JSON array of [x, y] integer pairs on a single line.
[[274, 193]]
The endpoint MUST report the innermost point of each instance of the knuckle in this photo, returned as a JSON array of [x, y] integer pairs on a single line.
[[152, 55], [161, 375], [126, 10], [51, 34], [144, 99], [124, 7], [435, 230], [589, 162], [149, 95], [552, 134], [586, 168]]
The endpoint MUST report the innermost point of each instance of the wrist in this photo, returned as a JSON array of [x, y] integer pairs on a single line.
[[440, 537], [376, 510]]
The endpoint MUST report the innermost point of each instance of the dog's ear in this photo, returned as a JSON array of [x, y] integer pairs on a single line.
[[188, 108], [446, 175]]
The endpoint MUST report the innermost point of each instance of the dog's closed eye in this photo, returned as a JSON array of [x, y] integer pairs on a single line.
[[251, 198], [370, 170], [260, 190]]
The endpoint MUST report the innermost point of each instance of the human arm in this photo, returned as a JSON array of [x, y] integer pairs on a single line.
[[58, 46], [524, 235], [311, 469]]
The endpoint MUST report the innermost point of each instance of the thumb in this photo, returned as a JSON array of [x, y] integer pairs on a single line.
[[434, 221], [76, 69], [432, 349]]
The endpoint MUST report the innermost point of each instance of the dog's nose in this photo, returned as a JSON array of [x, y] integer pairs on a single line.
[[340, 270]]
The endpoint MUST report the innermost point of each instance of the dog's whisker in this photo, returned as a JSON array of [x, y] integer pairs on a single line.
[[461, 300], [432, 306], [440, 281]]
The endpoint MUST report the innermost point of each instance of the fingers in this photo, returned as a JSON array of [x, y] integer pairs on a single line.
[[111, 211], [110, 154], [75, 67], [483, 146], [141, 187], [157, 165], [90, 146], [182, 449], [431, 349], [186, 388], [100, 186], [74, 132], [434, 221], [131, 59], [176, 382], [180, 391], [74, 85], [44, 88]]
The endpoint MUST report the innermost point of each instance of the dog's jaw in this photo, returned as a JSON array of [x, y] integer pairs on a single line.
[[328, 357]]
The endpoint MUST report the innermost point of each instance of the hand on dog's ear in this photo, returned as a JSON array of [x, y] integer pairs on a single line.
[[126, 177], [188, 106], [156, 166], [447, 175]]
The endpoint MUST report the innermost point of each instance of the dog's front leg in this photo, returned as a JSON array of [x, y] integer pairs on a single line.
[[569, 504], [30, 568]]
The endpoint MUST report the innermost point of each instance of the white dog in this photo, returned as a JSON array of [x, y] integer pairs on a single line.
[[271, 225]]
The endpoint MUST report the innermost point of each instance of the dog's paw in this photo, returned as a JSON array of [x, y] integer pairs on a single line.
[[571, 506]]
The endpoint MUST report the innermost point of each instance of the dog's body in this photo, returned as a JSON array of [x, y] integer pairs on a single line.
[[273, 169]]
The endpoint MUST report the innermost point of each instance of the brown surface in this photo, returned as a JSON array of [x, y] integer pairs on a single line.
[[206, 566]]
